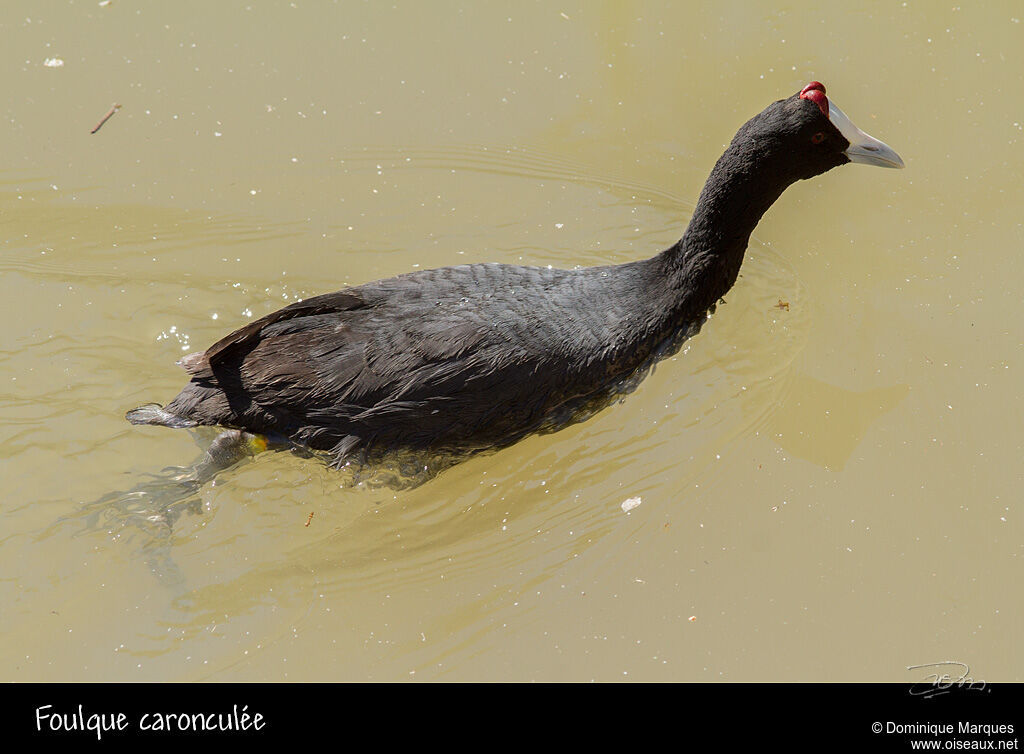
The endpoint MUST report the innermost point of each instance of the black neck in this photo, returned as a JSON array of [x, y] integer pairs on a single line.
[[704, 263]]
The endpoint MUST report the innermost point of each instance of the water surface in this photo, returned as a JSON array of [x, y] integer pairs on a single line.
[[829, 473]]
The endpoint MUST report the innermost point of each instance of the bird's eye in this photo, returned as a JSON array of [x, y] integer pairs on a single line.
[[818, 138]]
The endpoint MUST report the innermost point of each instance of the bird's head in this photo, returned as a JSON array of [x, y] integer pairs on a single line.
[[807, 134]]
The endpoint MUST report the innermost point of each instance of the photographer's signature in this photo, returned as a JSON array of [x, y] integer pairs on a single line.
[[944, 677]]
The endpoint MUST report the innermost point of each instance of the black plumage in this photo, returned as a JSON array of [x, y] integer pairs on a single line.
[[477, 356]]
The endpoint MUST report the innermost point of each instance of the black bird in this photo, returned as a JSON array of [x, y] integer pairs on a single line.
[[477, 356]]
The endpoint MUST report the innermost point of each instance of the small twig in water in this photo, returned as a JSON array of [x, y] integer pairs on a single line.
[[309, 519], [105, 118]]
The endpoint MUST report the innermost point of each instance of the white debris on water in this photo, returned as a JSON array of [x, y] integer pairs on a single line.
[[630, 504]]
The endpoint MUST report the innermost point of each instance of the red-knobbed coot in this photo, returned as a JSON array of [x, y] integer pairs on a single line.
[[477, 356]]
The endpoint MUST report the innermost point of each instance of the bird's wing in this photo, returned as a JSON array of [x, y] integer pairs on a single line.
[[360, 348]]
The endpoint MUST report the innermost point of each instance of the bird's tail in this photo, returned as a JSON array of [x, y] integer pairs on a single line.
[[154, 413]]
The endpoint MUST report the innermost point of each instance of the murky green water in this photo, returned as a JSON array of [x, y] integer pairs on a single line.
[[829, 491]]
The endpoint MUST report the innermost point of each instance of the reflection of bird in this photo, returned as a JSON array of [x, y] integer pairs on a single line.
[[478, 355]]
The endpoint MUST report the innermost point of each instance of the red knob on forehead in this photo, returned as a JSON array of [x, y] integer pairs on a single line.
[[815, 92]]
